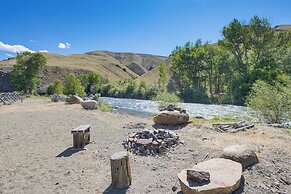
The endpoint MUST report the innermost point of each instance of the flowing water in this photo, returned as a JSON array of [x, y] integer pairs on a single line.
[[146, 108]]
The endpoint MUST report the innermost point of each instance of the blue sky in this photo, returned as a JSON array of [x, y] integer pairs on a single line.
[[142, 26]]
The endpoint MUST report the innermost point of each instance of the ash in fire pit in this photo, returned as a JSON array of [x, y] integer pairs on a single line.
[[151, 142]]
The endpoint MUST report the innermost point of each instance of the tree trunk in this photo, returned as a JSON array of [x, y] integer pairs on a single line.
[[210, 84], [120, 170]]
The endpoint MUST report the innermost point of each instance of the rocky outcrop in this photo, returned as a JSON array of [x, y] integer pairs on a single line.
[[151, 142], [174, 117], [89, 104], [242, 154], [5, 82], [74, 100], [225, 177]]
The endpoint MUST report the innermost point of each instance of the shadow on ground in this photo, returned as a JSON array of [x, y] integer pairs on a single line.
[[68, 152], [170, 127], [241, 186], [111, 190]]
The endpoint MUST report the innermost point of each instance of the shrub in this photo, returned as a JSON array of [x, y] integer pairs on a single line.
[[272, 102], [56, 88], [166, 98], [92, 80], [104, 106], [73, 86]]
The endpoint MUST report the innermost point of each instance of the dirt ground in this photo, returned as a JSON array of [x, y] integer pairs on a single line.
[[35, 154]]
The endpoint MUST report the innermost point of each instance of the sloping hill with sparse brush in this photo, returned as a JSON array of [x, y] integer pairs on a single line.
[[110, 65]]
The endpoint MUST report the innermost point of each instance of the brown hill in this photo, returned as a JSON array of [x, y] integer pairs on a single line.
[[283, 28], [110, 65]]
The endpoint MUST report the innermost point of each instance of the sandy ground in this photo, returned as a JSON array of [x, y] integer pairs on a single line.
[[35, 154]]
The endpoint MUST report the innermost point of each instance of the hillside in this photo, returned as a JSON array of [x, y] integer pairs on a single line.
[[283, 27], [111, 65]]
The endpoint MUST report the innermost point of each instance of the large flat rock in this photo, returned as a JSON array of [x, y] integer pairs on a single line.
[[225, 177]]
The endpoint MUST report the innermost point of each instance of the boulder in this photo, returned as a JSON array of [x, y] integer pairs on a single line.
[[225, 177], [171, 118], [74, 100], [58, 98], [242, 154], [89, 104]]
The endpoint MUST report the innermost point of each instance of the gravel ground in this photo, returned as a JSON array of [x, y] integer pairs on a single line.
[[35, 154]]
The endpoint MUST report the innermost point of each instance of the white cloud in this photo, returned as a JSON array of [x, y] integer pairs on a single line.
[[34, 41], [64, 45], [9, 55], [14, 48], [43, 51]]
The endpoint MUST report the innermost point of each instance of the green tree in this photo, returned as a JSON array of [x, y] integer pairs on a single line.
[[92, 80], [73, 86], [163, 77], [25, 74], [256, 49], [188, 68], [56, 88]]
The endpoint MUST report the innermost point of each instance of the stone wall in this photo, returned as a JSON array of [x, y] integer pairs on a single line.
[[5, 82]]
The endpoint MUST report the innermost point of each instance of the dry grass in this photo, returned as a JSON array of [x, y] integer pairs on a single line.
[[113, 66]]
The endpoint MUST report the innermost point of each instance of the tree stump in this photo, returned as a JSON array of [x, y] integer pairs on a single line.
[[120, 170]]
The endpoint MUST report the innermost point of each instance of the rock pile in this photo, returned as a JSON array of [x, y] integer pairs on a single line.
[[151, 142]]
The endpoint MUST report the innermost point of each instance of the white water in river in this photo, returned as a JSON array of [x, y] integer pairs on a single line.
[[145, 108]]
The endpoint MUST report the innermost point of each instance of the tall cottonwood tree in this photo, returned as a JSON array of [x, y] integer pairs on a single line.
[[256, 49], [25, 74]]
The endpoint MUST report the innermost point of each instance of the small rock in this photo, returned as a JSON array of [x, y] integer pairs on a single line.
[[198, 176], [174, 188], [171, 107]]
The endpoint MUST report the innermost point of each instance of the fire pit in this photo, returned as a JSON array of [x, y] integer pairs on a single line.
[[151, 142]]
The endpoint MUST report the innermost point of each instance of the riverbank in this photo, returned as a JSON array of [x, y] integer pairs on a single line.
[[35, 156], [146, 108]]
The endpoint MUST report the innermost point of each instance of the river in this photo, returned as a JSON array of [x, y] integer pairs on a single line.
[[146, 108]]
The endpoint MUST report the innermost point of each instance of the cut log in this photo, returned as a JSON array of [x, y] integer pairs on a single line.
[[120, 170]]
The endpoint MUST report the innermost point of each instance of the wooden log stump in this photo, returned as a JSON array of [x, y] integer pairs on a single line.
[[120, 170]]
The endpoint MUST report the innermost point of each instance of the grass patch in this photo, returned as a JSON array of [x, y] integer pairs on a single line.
[[104, 106]]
